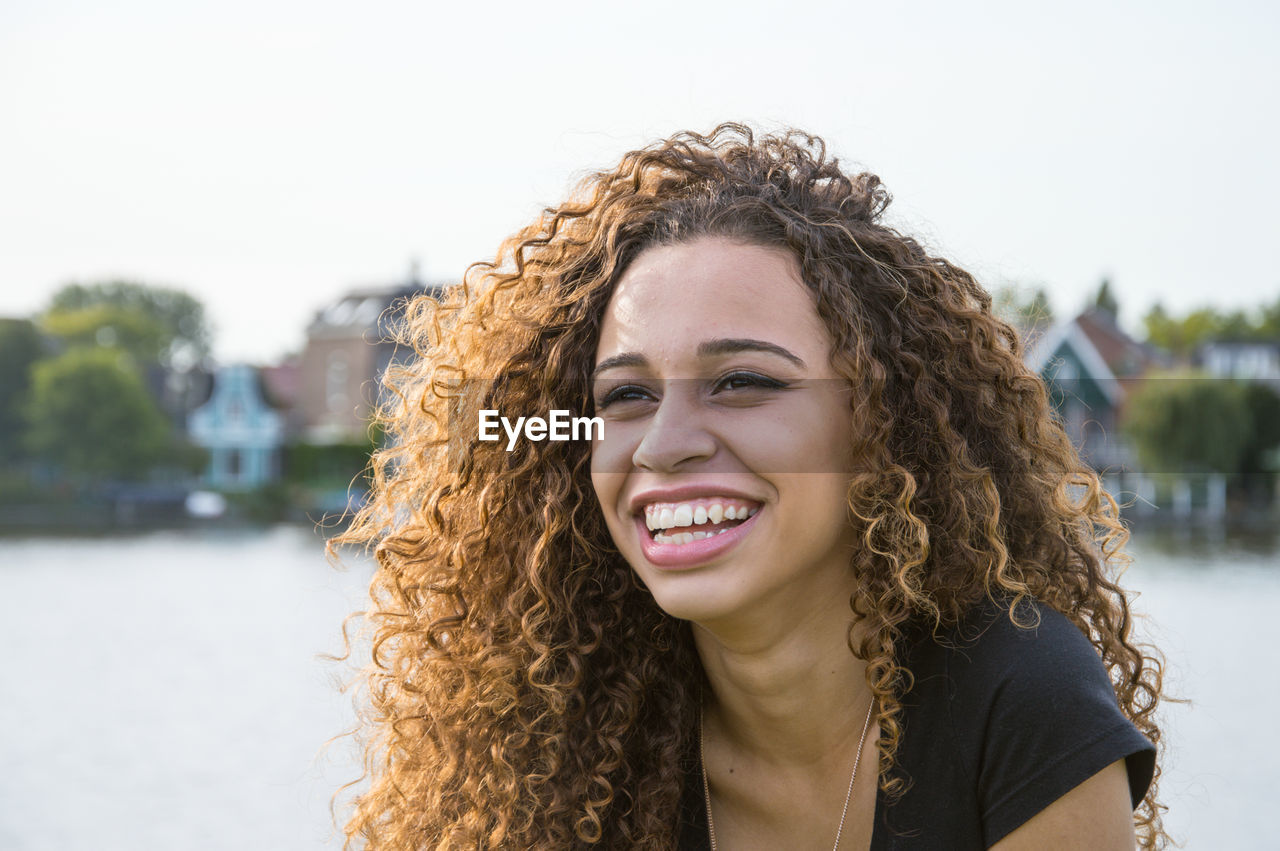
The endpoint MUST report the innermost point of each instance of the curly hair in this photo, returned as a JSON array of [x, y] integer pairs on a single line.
[[525, 690]]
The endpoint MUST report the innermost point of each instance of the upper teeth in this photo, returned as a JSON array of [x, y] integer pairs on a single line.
[[667, 515]]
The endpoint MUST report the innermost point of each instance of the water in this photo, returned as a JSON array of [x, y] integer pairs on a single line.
[[1212, 604], [164, 691]]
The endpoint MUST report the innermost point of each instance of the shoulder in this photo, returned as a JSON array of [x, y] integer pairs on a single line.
[[1029, 652], [1028, 708], [1027, 681]]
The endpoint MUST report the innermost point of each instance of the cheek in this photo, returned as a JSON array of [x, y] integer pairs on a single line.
[[817, 512], [775, 444], [764, 441], [613, 453], [608, 488], [838, 434], [606, 484], [820, 496]]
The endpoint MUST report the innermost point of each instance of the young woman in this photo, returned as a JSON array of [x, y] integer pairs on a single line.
[[830, 574]]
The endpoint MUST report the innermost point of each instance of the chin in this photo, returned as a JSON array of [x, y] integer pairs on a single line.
[[681, 607], [688, 601]]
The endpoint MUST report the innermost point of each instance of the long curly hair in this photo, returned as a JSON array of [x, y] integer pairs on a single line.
[[525, 690]]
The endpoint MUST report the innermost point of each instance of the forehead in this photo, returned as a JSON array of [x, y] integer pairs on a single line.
[[673, 296]]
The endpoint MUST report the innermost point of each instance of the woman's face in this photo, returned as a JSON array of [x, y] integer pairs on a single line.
[[725, 460]]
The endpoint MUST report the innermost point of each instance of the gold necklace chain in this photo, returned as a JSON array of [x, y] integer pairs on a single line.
[[706, 787]]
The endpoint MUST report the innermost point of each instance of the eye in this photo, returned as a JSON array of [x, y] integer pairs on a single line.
[[623, 393], [742, 380]]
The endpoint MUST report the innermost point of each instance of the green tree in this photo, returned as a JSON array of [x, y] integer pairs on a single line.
[[1236, 327], [1183, 336], [21, 345], [1201, 326], [152, 323], [90, 414], [1187, 423], [142, 336], [1105, 300], [1269, 325], [1023, 307], [1264, 440], [1161, 329]]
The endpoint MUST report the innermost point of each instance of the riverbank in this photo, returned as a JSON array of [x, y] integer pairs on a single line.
[[200, 651]]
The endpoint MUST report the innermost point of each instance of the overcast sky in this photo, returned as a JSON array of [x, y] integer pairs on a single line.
[[267, 156]]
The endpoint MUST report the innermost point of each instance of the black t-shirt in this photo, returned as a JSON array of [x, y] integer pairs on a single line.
[[1000, 722]]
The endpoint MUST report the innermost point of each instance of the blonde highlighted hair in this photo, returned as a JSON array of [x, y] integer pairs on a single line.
[[525, 691]]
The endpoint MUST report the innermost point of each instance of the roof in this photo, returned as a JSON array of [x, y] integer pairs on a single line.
[[1112, 358], [359, 310], [1125, 356], [282, 383]]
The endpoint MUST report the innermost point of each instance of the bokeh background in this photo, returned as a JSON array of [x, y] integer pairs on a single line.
[[209, 213]]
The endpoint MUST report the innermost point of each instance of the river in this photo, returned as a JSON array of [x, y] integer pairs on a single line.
[[165, 690]]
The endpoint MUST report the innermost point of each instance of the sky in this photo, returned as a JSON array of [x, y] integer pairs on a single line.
[[269, 156]]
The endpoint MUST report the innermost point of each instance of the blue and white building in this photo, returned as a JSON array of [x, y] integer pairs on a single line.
[[241, 430]]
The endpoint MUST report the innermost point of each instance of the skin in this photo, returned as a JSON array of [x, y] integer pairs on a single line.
[[771, 616], [1095, 814]]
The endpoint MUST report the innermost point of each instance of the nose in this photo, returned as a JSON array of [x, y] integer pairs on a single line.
[[675, 437]]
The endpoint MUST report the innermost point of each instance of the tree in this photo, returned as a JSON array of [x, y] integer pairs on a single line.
[[90, 414], [1264, 440], [1022, 307], [1105, 300], [152, 323], [1269, 326], [1201, 326], [132, 331], [21, 345], [1183, 336], [1235, 327], [1161, 329], [1188, 423]]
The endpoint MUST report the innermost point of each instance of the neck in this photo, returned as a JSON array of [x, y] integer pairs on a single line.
[[786, 688]]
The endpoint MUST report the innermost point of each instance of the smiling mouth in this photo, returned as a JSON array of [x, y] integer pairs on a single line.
[[696, 520]]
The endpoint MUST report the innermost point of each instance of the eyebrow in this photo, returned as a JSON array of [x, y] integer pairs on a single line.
[[731, 346], [707, 348]]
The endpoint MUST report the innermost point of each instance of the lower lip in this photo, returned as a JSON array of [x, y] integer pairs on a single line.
[[695, 553]]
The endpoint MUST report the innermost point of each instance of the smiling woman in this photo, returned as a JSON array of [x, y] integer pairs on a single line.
[[831, 572], [768, 432]]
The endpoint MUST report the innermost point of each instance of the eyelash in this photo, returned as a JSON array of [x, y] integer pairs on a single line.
[[616, 394], [753, 379]]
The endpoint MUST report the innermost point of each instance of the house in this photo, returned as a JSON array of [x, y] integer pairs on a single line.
[[1252, 361], [281, 384], [241, 430], [348, 348], [1091, 366]]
